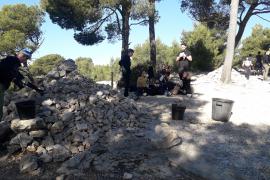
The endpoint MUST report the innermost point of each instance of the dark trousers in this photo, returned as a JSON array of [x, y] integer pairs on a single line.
[[126, 77], [141, 90], [2, 92], [247, 72], [186, 86]]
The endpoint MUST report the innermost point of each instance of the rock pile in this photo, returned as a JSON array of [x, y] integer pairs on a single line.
[[214, 76], [75, 115]]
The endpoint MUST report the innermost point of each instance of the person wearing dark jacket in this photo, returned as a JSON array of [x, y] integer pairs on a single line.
[[183, 59], [9, 72], [125, 64]]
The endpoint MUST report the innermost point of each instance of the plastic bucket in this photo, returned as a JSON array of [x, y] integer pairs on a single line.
[[178, 111], [26, 109], [221, 109]]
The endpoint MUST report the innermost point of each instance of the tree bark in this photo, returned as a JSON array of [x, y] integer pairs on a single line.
[[152, 38], [226, 72], [125, 27]]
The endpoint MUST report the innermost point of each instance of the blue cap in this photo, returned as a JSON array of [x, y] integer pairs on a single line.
[[27, 53]]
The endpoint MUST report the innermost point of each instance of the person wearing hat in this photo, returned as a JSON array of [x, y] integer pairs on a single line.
[[9, 72], [125, 64]]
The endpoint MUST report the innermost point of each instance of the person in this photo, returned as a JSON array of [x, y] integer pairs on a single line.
[[266, 64], [247, 65], [125, 64], [164, 80], [10, 72], [183, 59], [142, 84], [258, 64]]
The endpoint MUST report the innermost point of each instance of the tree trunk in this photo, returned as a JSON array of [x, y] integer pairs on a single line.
[[125, 27], [226, 72], [243, 24], [152, 38]]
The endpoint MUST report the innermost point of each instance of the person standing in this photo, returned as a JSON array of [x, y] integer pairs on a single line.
[[9, 72], [183, 59], [266, 64], [258, 64], [247, 65], [125, 64]]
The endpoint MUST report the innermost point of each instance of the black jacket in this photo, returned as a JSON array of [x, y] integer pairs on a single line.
[[125, 63], [266, 59], [9, 71]]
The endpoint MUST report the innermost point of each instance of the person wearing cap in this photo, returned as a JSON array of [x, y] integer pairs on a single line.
[[9, 72], [125, 64]]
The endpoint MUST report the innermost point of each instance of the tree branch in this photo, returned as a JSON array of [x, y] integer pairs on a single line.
[[100, 23], [260, 12], [241, 14], [141, 22]]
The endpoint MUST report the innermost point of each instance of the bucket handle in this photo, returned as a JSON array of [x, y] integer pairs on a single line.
[[218, 104], [178, 140]]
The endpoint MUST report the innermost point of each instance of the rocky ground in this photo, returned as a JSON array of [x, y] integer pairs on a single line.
[[84, 130], [237, 149]]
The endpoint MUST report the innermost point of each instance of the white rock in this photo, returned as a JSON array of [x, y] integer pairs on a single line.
[[48, 102], [127, 176]]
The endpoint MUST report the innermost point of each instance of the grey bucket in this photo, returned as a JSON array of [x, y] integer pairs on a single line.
[[221, 109]]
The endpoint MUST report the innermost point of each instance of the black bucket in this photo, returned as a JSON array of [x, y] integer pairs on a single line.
[[178, 111], [221, 109], [26, 109]]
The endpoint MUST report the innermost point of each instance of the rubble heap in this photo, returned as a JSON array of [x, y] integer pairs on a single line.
[[74, 115], [214, 76]]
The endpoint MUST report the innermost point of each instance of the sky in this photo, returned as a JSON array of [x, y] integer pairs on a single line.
[[171, 24]]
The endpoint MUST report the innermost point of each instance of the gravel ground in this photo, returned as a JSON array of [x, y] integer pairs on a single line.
[[238, 149]]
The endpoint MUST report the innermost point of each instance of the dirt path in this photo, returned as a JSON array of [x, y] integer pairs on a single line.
[[238, 149]]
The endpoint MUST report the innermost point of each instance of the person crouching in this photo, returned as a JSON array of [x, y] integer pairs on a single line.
[[142, 84]]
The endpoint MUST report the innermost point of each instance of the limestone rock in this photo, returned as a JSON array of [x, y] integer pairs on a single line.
[[18, 125], [58, 152], [48, 102], [22, 139], [28, 163], [57, 127], [38, 133]]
